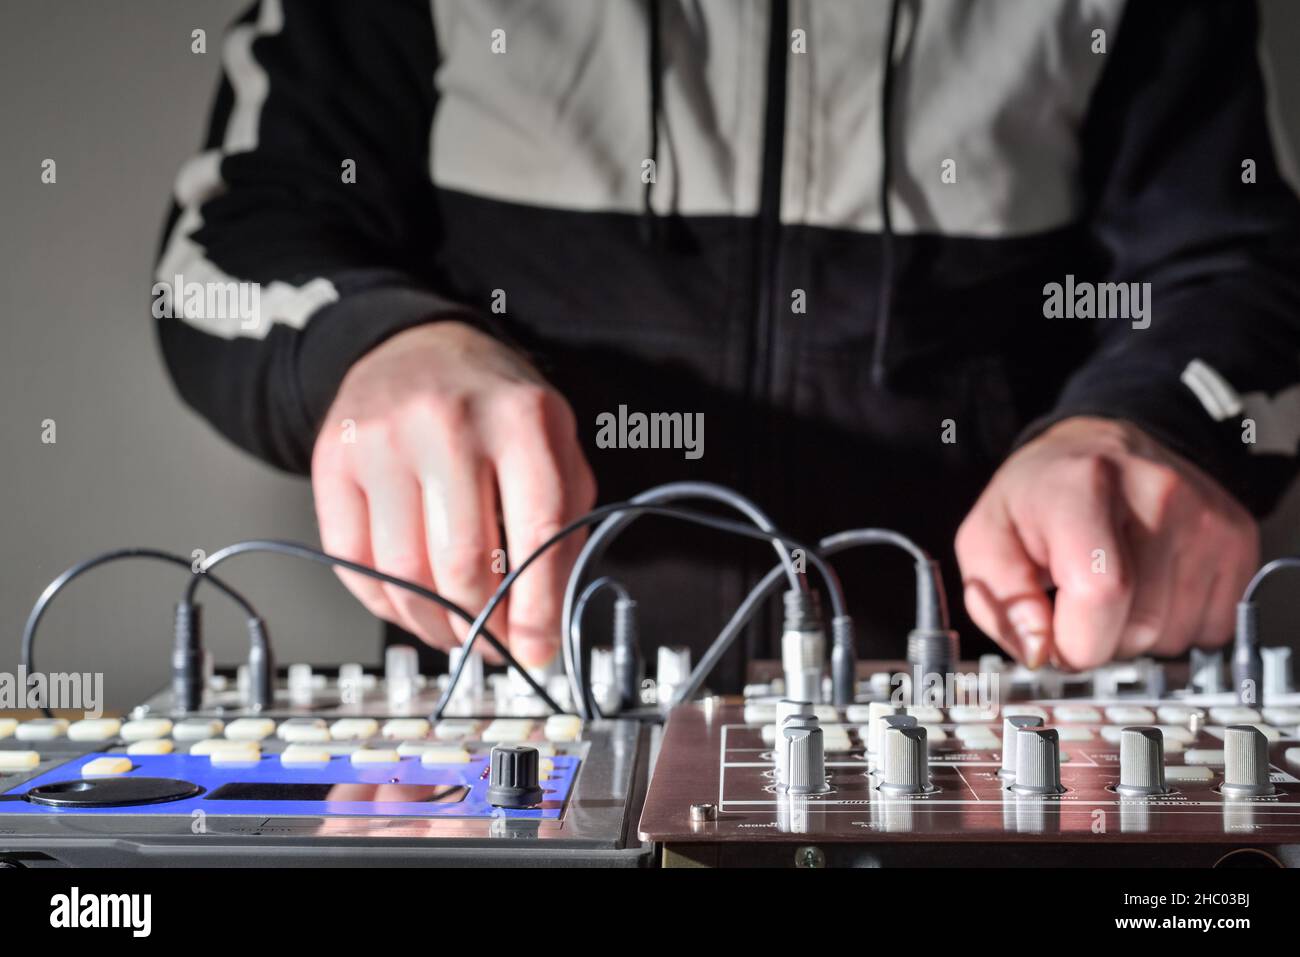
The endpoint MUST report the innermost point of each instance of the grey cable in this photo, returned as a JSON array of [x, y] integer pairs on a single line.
[[767, 588], [599, 540]]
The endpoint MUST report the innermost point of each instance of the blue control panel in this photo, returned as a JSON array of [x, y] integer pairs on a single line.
[[337, 788]]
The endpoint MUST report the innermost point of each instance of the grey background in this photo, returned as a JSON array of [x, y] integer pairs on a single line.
[[112, 92]]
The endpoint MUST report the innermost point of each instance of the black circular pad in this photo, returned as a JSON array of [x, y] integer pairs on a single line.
[[112, 792]]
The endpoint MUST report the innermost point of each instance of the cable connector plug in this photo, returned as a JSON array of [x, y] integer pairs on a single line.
[[1247, 662], [261, 667], [844, 661], [187, 657], [629, 667]]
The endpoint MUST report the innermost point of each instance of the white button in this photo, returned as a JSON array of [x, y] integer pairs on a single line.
[[970, 712], [562, 727], [7, 726], [934, 733], [454, 729], [1271, 715], [1210, 756], [1176, 732], [250, 754], [405, 729], [1074, 733], [146, 729], [354, 729], [1177, 773], [250, 729], [42, 729], [1177, 713], [375, 756], [196, 729], [925, 715], [1270, 732], [759, 712], [508, 729], [303, 730], [214, 745], [825, 713], [18, 760], [151, 746], [432, 756], [105, 766], [1293, 757], [1077, 714], [1111, 733], [974, 732], [300, 754], [1120, 714], [1236, 715], [1031, 710], [94, 729]]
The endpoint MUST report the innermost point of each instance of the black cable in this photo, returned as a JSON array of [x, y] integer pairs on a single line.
[[575, 630], [1247, 660], [28, 646], [599, 514], [769, 584], [885, 301], [298, 550]]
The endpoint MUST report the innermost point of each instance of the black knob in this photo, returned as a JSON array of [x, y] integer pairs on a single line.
[[513, 777]]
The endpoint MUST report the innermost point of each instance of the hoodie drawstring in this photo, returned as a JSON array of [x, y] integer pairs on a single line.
[[649, 223], [885, 304]]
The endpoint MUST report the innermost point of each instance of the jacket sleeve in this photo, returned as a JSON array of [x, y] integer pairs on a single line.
[[1185, 192], [302, 235]]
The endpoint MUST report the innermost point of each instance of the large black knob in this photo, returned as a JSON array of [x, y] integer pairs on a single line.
[[513, 777]]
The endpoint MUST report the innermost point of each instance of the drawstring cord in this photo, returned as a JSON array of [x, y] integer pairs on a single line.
[[885, 304], [649, 222]]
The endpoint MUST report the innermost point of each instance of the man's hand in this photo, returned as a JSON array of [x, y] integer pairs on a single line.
[[1147, 553], [436, 439]]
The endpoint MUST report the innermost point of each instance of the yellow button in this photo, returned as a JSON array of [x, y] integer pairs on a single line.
[[94, 729], [353, 729], [146, 729], [105, 766], [298, 754], [431, 756], [151, 746], [18, 760], [375, 756], [250, 729], [407, 729]]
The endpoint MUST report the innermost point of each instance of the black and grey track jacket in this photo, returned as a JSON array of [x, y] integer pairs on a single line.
[[1086, 214]]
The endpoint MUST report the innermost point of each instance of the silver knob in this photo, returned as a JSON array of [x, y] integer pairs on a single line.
[[1011, 724], [786, 712], [1141, 762], [401, 673], [604, 687], [907, 761], [1245, 762], [803, 659], [1206, 672], [473, 683], [673, 667], [805, 757], [1038, 761], [875, 711], [1277, 672]]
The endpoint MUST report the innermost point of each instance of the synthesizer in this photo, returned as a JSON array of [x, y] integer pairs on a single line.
[[1114, 767], [343, 769]]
